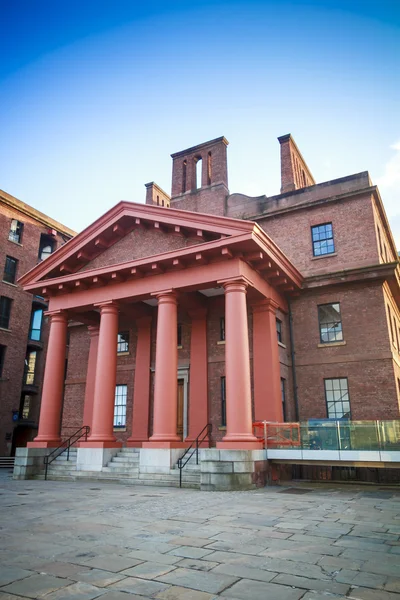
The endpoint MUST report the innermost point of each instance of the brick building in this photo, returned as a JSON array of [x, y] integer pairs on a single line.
[[27, 236], [224, 308]]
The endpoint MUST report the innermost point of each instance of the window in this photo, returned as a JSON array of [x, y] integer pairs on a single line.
[[222, 329], [337, 398], [199, 166], [30, 364], [283, 392], [10, 269], [322, 239], [120, 405], [35, 330], [179, 335], [5, 310], [2, 357], [46, 246], [279, 330], [223, 402], [123, 342], [330, 323], [26, 403], [16, 229]]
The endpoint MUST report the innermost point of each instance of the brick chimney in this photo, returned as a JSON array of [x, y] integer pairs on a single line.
[[156, 196], [294, 171]]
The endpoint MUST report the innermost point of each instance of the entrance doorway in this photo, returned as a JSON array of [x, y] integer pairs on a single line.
[[181, 406]]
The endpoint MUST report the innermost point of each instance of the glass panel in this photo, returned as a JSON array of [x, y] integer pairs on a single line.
[[120, 405], [30, 363], [36, 325], [5, 308]]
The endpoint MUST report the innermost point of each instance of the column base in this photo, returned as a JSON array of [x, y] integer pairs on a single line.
[[161, 444], [100, 444], [44, 444], [240, 445], [132, 443]]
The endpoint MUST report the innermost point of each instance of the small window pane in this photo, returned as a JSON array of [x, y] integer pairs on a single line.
[[223, 402], [121, 392], [322, 239], [330, 323], [123, 342], [5, 310], [30, 364], [279, 330], [25, 407], [222, 329], [36, 325], [15, 234], [337, 402], [10, 269]]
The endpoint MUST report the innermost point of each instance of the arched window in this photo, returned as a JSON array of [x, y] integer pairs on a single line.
[[199, 164], [184, 174]]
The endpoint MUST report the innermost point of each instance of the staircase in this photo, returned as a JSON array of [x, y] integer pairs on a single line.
[[7, 462], [123, 468]]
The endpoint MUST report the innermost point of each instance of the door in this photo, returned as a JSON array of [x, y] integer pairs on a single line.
[[179, 426]]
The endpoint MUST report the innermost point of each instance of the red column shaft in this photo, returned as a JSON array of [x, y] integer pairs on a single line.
[[198, 393], [237, 367], [91, 376], [141, 389], [166, 381], [266, 365], [53, 384], [106, 374]]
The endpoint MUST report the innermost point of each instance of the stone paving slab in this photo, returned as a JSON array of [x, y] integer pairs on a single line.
[[84, 541]]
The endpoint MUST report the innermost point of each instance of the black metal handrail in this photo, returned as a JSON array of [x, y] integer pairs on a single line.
[[181, 463], [65, 446]]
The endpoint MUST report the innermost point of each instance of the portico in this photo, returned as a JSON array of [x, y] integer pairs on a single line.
[[84, 283]]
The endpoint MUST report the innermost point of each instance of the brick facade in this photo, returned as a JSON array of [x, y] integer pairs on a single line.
[[14, 429], [358, 274]]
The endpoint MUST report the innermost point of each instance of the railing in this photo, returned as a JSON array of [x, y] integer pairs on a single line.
[[277, 434], [331, 434], [197, 442], [65, 446]]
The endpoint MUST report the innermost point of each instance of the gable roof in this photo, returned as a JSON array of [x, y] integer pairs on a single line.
[[120, 220]]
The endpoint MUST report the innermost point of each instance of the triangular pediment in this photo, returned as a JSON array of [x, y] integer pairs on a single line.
[[131, 231]]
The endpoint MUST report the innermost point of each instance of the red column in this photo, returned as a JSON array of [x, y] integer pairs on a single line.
[[237, 370], [141, 390], [102, 435], [198, 391], [53, 384], [166, 374], [91, 376], [266, 365]]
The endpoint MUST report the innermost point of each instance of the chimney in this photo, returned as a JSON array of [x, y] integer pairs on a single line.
[[156, 196], [294, 171]]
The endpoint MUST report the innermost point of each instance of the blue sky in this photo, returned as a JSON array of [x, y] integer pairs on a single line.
[[96, 95]]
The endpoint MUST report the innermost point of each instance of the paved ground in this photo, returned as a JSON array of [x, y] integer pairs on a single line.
[[83, 540]]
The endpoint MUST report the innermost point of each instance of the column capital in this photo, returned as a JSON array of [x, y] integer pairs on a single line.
[[166, 296], [107, 307], [266, 305], [235, 284], [59, 316]]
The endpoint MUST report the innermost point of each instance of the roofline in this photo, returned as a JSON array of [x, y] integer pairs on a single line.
[[289, 138], [385, 220], [236, 225], [200, 146], [35, 214]]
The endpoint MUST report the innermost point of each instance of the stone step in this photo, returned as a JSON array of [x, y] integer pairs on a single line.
[[119, 469], [125, 459], [168, 477]]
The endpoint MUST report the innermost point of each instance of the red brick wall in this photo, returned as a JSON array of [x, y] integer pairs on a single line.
[[140, 243], [16, 338], [365, 358], [353, 232]]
